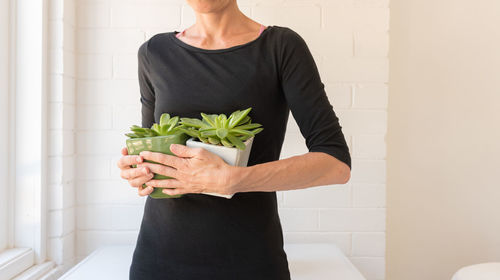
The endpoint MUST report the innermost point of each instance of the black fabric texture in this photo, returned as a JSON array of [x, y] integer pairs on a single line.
[[200, 236]]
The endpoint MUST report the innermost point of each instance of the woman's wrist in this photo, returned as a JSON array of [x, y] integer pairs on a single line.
[[236, 177]]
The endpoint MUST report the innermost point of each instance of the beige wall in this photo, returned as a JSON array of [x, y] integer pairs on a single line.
[[443, 137]]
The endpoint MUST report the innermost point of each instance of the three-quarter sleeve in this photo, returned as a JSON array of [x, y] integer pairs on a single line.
[[307, 99], [146, 88]]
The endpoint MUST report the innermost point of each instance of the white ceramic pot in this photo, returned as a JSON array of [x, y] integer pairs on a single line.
[[232, 156]]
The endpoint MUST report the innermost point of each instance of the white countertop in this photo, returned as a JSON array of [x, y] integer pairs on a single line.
[[313, 261]]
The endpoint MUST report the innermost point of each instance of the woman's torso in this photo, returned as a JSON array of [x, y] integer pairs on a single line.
[[206, 237]]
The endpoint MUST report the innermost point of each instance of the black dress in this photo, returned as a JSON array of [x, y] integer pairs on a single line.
[[200, 236]]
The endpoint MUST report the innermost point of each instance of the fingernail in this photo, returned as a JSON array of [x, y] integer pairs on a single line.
[[139, 159], [150, 188]]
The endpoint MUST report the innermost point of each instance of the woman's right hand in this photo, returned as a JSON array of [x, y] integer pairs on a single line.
[[135, 176]]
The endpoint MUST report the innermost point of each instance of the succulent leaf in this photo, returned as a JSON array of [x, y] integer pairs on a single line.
[[248, 126], [245, 120], [191, 132], [210, 119], [257, 130], [156, 127], [167, 126], [174, 120], [240, 117], [244, 137], [218, 121], [134, 127], [221, 133], [226, 143], [132, 135], [192, 122], [171, 126], [204, 140], [213, 140], [137, 129], [208, 133], [236, 141], [233, 118], [164, 130], [207, 129], [165, 117], [241, 131]]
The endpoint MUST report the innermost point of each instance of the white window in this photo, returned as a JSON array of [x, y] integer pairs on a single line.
[[23, 25], [4, 88]]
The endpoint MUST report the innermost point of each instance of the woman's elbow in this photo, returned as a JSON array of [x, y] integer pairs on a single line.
[[347, 174], [341, 171], [344, 174]]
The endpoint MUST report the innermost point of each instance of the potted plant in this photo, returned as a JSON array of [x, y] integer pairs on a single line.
[[230, 137], [158, 138]]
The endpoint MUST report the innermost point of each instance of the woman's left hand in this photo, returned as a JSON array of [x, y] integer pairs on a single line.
[[194, 170]]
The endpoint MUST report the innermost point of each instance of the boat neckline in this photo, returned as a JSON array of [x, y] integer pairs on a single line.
[[181, 43]]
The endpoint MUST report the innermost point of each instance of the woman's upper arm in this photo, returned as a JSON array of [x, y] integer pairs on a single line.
[[307, 99], [145, 86]]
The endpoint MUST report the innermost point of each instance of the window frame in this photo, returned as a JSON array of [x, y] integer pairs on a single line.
[[23, 174], [4, 122]]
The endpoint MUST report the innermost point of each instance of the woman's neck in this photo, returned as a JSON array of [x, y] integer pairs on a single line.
[[223, 23]]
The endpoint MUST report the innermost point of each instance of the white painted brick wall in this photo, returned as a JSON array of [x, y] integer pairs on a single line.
[[61, 216], [349, 41]]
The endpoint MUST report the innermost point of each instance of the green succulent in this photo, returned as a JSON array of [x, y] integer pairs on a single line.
[[167, 126], [221, 130]]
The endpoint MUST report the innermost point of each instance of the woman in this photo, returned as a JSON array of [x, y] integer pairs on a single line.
[[222, 63]]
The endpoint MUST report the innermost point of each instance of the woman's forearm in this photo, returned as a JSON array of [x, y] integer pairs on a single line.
[[297, 172]]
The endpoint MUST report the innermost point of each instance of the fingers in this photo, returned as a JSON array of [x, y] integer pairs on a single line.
[[185, 151], [144, 191], [126, 161], [165, 183], [137, 177], [173, 191], [160, 169], [139, 181], [164, 159], [132, 173]]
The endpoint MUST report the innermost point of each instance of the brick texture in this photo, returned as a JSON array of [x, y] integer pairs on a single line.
[[61, 217]]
